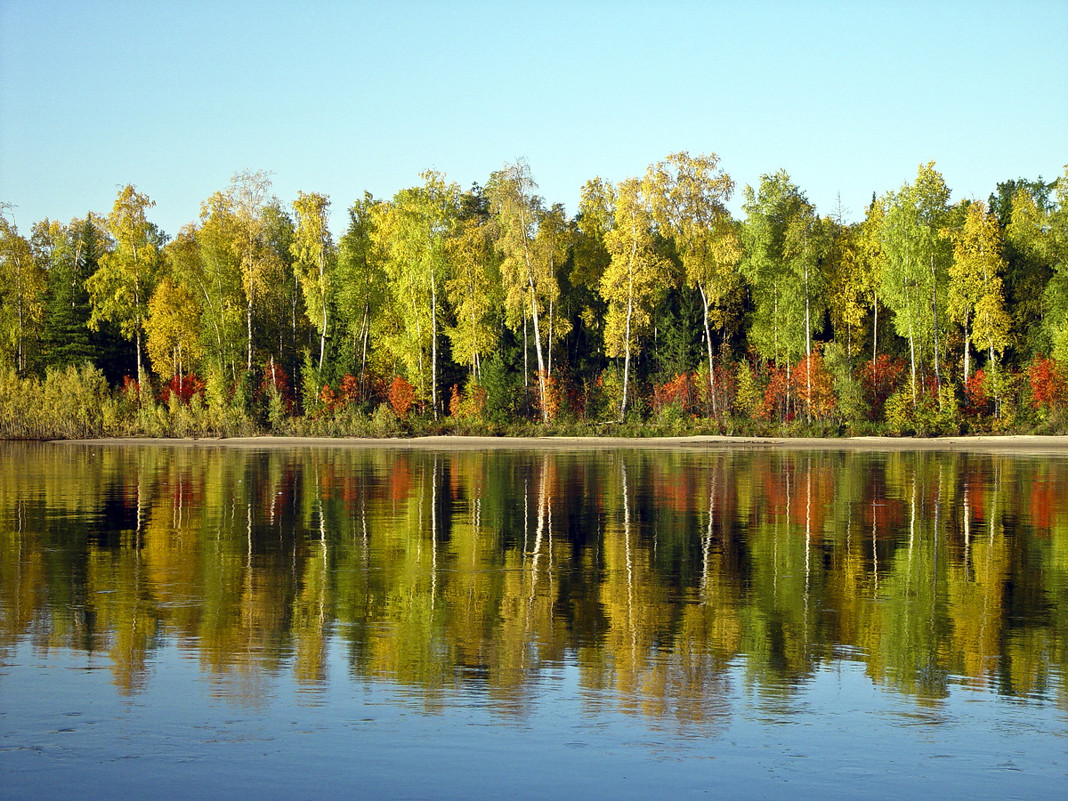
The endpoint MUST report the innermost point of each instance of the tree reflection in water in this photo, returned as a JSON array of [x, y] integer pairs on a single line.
[[660, 576]]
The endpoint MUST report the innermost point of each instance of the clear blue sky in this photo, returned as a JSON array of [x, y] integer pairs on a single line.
[[342, 97]]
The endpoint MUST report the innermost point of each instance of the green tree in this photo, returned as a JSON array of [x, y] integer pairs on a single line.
[[69, 254], [413, 231], [22, 294], [249, 196], [850, 277], [975, 297], [915, 268], [783, 247], [1053, 241], [688, 195], [315, 259], [361, 280], [121, 287], [1029, 259], [552, 245], [591, 259], [635, 278], [529, 282]]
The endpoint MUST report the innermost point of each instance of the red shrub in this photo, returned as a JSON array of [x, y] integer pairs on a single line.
[[879, 380], [680, 392], [977, 401], [275, 377], [778, 395], [815, 387], [552, 396], [401, 394], [183, 387], [350, 388], [1048, 385], [331, 400]]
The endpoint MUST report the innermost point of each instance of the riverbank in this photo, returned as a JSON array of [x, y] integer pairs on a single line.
[[1033, 444]]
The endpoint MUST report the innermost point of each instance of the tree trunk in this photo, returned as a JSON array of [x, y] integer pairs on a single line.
[[626, 362], [248, 325], [808, 350], [912, 353], [934, 311], [549, 344], [967, 352], [708, 343], [875, 334], [434, 344], [537, 349]]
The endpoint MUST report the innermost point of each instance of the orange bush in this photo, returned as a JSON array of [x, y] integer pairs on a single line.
[[401, 394], [815, 387], [680, 392], [1047, 384]]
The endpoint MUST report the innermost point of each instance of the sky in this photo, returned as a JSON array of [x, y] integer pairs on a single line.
[[346, 97]]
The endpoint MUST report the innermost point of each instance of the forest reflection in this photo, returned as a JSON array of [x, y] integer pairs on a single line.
[[663, 578]]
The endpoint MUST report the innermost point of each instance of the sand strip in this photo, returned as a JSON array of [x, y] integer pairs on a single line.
[[1015, 443]]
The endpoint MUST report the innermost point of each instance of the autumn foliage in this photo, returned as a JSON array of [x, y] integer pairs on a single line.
[[1049, 388], [401, 395], [879, 379], [182, 387], [977, 400], [680, 392]]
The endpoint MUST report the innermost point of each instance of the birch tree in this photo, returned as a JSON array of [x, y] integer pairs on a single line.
[[172, 338], [249, 194], [782, 247], [314, 261], [915, 267], [120, 288], [551, 246], [688, 197], [474, 293], [976, 297], [528, 282], [204, 258], [361, 280], [412, 231], [635, 278], [22, 287]]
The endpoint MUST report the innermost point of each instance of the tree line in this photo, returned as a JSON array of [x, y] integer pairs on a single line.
[[491, 310]]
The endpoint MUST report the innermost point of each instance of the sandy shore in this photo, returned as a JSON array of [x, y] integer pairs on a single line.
[[1019, 444]]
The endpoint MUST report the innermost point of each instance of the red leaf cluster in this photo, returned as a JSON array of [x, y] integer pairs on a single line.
[[275, 376], [977, 401], [183, 387], [401, 395], [879, 380], [680, 392], [1048, 384]]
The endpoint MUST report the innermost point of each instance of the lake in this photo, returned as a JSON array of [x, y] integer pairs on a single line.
[[207, 622]]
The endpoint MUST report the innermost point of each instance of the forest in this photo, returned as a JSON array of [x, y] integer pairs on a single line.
[[652, 310]]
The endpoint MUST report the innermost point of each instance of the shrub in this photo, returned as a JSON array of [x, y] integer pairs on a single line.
[[977, 400], [1047, 383], [900, 413], [778, 393], [749, 396], [879, 380], [680, 394], [815, 387], [849, 395], [401, 396]]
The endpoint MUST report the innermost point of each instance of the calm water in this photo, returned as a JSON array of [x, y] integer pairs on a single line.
[[200, 622]]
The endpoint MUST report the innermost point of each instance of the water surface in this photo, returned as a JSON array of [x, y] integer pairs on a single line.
[[321, 623]]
